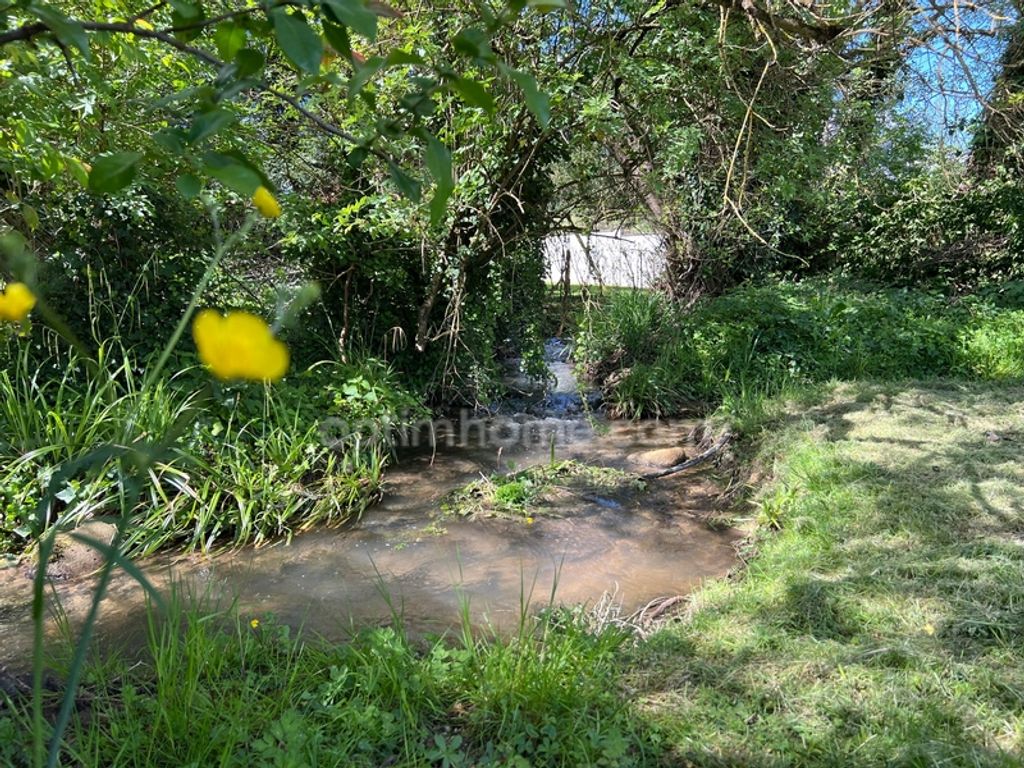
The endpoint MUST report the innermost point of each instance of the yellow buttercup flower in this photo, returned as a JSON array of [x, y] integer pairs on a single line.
[[16, 302], [255, 623], [239, 346], [266, 203]]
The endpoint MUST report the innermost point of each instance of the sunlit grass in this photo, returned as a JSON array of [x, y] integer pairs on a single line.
[[883, 622], [878, 620], [236, 475]]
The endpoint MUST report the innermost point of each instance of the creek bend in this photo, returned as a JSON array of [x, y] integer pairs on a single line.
[[329, 581]]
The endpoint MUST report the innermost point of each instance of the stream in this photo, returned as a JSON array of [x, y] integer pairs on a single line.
[[637, 548]]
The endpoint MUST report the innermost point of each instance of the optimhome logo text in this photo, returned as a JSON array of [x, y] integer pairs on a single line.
[[465, 429]]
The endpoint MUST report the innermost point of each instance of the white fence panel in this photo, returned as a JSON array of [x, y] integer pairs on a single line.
[[611, 258]]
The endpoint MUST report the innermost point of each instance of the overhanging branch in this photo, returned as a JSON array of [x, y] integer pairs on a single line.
[[30, 31]]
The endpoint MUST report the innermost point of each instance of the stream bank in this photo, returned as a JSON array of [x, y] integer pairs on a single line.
[[400, 558]]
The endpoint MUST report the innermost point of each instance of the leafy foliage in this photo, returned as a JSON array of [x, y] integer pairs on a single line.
[[652, 358], [253, 467]]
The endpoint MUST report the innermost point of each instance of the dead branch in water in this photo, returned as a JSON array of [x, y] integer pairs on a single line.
[[710, 453]]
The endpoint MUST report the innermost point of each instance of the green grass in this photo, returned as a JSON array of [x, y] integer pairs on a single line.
[[217, 689], [651, 358], [247, 464], [880, 619]]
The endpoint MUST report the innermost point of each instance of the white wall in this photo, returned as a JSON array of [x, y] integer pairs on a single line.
[[615, 258]]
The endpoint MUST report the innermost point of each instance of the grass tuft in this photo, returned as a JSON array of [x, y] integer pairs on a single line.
[[535, 491]]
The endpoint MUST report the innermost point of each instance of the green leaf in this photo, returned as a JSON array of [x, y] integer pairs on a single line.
[[187, 10], [357, 157], [188, 186], [185, 14], [407, 185], [473, 42], [439, 163], [355, 15], [419, 103], [30, 217], [67, 495], [536, 100], [13, 247], [230, 39], [473, 93], [249, 61], [67, 31], [113, 172], [209, 123], [383, 9], [398, 57], [171, 139], [300, 44], [337, 37], [17, 258], [547, 5], [233, 86], [233, 173], [363, 74], [75, 167]]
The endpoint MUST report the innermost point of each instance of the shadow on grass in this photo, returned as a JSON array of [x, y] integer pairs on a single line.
[[885, 623]]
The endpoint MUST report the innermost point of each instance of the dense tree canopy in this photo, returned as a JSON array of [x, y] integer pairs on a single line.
[[423, 153]]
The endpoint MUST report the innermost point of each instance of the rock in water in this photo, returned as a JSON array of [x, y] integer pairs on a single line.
[[73, 559], [662, 458]]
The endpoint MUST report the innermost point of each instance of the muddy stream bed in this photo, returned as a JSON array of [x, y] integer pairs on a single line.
[[398, 557]]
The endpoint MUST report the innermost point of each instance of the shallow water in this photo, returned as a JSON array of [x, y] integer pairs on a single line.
[[640, 547]]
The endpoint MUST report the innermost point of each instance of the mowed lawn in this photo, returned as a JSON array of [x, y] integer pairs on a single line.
[[880, 618]]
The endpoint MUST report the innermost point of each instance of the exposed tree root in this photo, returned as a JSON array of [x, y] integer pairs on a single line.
[[707, 455]]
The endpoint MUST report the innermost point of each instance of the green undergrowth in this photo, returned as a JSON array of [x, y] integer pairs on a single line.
[[242, 463], [734, 351], [535, 491], [879, 619], [227, 690]]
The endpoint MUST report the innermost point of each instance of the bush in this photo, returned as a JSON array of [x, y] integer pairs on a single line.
[[944, 227], [121, 267]]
